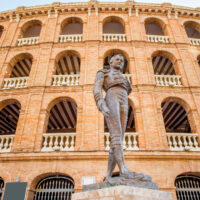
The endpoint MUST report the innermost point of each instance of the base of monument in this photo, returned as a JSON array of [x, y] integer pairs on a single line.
[[120, 181], [123, 193]]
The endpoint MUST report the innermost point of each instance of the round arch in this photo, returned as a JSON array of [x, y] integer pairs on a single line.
[[67, 53], [59, 99], [113, 24], [192, 29], [31, 28], [19, 57], [7, 102], [187, 111], [71, 25]]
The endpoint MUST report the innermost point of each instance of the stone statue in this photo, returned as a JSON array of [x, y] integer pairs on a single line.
[[115, 110]]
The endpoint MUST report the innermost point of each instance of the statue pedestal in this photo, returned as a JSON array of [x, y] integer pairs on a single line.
[[123, 193]]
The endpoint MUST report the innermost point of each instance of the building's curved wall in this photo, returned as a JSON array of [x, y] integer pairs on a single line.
[[154, 156]]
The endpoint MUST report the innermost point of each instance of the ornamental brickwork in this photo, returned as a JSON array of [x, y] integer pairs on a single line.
[[50, 128]]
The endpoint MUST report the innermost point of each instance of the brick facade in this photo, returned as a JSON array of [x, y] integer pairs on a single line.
[[89, 157]]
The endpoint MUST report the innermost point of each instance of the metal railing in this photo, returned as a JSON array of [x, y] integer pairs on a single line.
[[58, 142], [6, 142], [27, 41], [71, 38], [183, 141], [114, 37], [18, 82], [194, 41], [168, 80], [130, 141], [158, 38], [69, 80]]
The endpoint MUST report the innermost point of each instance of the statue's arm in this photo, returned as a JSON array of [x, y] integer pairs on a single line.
[[98, 85]]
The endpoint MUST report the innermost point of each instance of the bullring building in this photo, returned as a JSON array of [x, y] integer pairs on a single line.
[[51, 134]]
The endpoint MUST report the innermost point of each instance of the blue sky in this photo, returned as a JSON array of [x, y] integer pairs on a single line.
[[12, 4]]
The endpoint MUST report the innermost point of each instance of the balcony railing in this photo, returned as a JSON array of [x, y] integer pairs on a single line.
[[130, 141], [168, 80], [6, 142], [27, 41], [127, 76], [69, 80], [158, 38], [114, 37], [18, 82], [58, 142], [194, 41], [183, 141], [71, 38]]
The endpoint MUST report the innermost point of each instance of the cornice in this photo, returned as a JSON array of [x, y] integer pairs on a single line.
[[130, 7]]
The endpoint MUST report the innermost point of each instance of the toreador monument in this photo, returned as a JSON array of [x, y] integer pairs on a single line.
[[115, 110]]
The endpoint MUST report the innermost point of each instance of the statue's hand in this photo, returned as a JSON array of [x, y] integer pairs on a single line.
[[105, 110]]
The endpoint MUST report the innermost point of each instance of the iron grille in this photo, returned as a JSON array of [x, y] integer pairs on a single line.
[[54, 188], [187, 187], [1, 187]]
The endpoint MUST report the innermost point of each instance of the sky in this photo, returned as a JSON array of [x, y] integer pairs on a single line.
[[12, 4]]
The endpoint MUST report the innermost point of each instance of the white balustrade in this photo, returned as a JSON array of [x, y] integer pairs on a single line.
[[71, 38], [6, 142], [168, 80], [194, 41], [58, 142], [18, 82], [114, 37], [128, 77], [27, 41], [158, 38], [130, 141], [183, 141], [69, 80]]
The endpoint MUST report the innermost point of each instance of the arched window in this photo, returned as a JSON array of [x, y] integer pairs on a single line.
[[175, 118], [1, 187], [156, 30], [162, 66], [72, 26], [153, 29], [192, 29], [9, 116], [187, 187], [61, 128], [31, 29], [18, 72], [1, 30], [113, 25], [55, 187], [113, 29], [22, 67], [164, 70], [67, 69], [63, 117]]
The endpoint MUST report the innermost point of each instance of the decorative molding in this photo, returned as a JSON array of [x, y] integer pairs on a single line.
[[169, 14], [136, 12], [96, 11], [11, 18], [49, 13], [129, 12], [89, 11], [17, 17]]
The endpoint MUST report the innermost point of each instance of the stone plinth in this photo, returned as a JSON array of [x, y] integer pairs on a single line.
[[123, 193]]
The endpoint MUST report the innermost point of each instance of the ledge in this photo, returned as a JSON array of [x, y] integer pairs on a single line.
[[100, 155]]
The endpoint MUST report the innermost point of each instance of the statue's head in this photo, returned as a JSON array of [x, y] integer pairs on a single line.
[[117, 62]]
